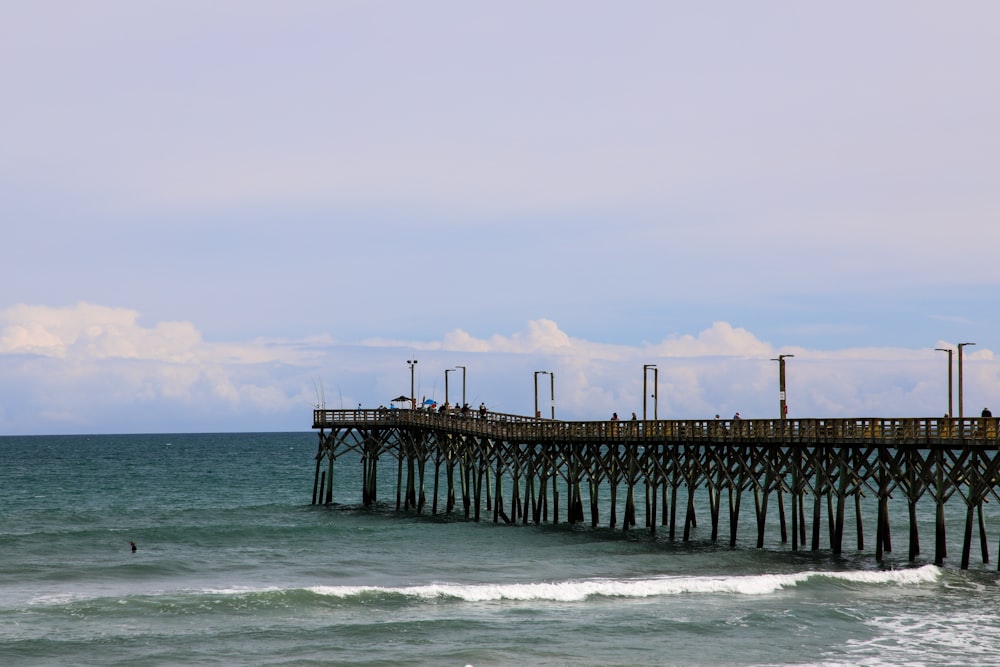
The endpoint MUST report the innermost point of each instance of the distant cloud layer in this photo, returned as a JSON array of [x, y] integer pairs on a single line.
[[88, 367]]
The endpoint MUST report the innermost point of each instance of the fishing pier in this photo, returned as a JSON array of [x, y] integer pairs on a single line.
[[518, 469]]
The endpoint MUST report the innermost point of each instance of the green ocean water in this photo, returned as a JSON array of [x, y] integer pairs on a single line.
[[234, 566]]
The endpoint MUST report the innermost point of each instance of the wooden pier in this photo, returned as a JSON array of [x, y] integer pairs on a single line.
[[834, 463]]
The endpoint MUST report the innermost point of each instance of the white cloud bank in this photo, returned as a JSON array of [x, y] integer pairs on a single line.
[[92, 368]]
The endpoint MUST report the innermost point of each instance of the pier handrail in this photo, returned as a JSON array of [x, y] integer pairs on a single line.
[[900, 431]]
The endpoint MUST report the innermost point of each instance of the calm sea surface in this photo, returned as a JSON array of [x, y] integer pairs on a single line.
[[235, 567]]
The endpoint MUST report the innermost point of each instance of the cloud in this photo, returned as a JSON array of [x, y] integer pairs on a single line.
[[721, 339], [90, 360], [94, 332], [93, 368]]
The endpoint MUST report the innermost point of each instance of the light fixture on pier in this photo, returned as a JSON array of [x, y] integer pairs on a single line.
[[463, 382], [552, 391], [782, 403], [446, 371], [656, 390], [413, 396], [951, 412], [960, 346]]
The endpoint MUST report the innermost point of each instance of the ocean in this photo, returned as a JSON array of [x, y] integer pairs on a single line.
[[233, 566]]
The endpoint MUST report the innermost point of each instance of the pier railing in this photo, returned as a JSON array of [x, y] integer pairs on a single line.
[[897, 432]]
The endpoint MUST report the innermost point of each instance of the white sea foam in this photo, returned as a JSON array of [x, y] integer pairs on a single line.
[[55, 599], [931, 635], [575, 591]]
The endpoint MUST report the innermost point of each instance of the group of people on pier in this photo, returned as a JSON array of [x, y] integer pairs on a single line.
[[457, 410], [444, 409]]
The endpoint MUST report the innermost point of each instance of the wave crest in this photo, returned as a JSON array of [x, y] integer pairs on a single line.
[[576, 591]]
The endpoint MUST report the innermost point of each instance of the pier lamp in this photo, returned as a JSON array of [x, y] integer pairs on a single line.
[[552, 391], [413, 396], [463, 382], [645, 391], [446, 371], [960, 346], [782, 404], [951, 412], [535, 414]]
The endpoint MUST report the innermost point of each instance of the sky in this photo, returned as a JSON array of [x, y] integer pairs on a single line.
[[217, 216]]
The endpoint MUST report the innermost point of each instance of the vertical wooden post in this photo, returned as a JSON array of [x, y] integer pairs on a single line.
[[913, 491], [498, 495], [802, 518], [515, 494], [883, 543], [734, 513], [817, 513], [967, 542], [940, 542], [480, 469], [689, 519], [466, 479], [437, 476], [489, 486], [914, 531], [673, 506], [760, 509], [364, 479], [858, 520], [664, 490], [411, 482], [629, 504], [613, 482], [372, 479], [796, 472], [329, 478], [542, 512], [450, 475], [555, 495], [783, 525], [421, 494], [595, 512], [399, 478], [830, 521], [652, 507], [319, 460], [982, 534]]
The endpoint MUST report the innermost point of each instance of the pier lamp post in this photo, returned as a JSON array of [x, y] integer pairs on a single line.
[[782, 403], [951, 412], [536, 413], [960, 346], [413, 397], [446, 371], [645, 390], [463, 382], [552, 391]]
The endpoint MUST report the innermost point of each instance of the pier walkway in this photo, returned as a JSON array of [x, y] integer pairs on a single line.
[[519, 465]]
